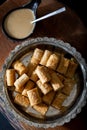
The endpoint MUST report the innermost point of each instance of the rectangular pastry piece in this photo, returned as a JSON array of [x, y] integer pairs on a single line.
[[37, 55], [34, 96], [19, 67], [48, 98], [61, 77], [63, 65], [43, 74], [71, 69], [68, 86], [19, 89], [55, 81], [30, 84], [10, 77], [31, 67], [34, 76], [41, 108], [45, 88], [45, 57], [58, 100], [20, 82], [21, 100], [53, 61]]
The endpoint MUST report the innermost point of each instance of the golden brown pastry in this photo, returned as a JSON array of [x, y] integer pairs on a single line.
[[61, 77], [48, 98], [20, 82], [34, 96], [71, 69], [37, 55], [43, 74], [10, 77], [68, 86], [55, 81], [58, 100], [53, 61], [19, 67], [31, 67], [28, 87], [45, 57], [63, 65], [45, 88], [21, 100], [41, 108], [46, 81], [34, 76]]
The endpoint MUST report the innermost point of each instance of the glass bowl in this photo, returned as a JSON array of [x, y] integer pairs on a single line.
[[75, 101]]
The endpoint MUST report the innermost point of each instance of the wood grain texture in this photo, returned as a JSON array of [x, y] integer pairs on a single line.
[[66, 26]]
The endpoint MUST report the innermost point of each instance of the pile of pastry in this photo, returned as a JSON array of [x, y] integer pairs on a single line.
[[46, 81]]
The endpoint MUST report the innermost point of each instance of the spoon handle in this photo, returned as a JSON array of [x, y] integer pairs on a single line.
[[32, 5], [49, 15]]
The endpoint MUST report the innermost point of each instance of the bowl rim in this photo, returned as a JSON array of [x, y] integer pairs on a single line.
[[7, 34], [72, 114]]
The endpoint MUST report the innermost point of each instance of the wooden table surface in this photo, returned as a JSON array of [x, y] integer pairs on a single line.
[[66, 26]]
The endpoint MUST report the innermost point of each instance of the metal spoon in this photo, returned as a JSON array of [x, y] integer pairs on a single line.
[[49, 15]]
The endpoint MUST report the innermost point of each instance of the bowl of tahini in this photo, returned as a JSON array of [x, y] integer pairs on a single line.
[[17, 25]]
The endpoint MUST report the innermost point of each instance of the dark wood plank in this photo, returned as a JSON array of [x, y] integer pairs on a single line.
[[66, 26]]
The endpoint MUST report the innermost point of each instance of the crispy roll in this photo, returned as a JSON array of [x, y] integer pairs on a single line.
[[58, 100], [28, 87], [48, 98], [31, 67], [43, 74], [19, 83], [53, 61], [45, 88], [19, 67], [45, 57], [10, 77], [55, 81], [21, 100], [68, 86], [19, 89], [34, 76], [71, 69], [61, 77], [37, 55], [40, 92], [63, 65], [34, 96], [41, 108]]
